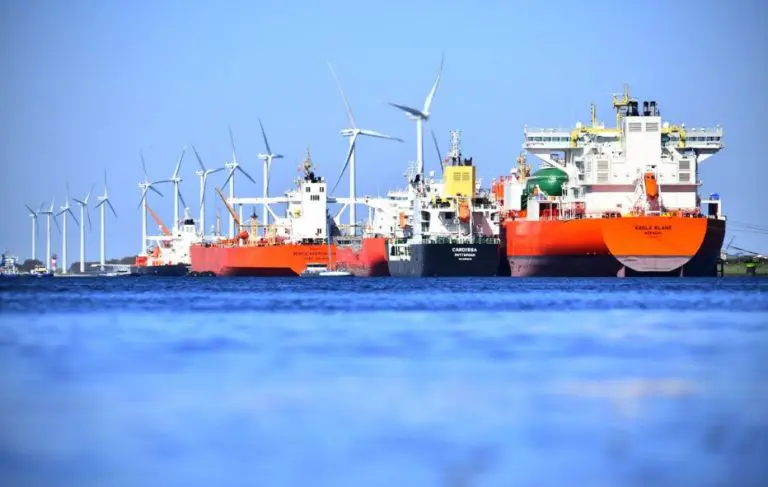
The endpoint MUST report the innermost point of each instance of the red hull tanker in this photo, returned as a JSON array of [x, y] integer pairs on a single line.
[[601, 247], [365, 257], [280, 260]]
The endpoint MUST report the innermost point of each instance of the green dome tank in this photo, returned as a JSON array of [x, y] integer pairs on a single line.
[[549, 179]]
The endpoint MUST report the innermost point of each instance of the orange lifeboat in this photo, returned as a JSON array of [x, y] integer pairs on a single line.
[[463, 212], [651, 187], [402, 220]]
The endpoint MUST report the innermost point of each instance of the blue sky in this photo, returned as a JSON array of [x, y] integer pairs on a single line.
[[88, 84]]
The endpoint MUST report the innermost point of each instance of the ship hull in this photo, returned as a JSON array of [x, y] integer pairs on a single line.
[[630, 246], [366, 257], [171, 270], [286, 260], [447, 260]]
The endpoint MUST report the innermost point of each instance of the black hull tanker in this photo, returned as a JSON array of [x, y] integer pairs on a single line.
[[443, 259], [171, 270]]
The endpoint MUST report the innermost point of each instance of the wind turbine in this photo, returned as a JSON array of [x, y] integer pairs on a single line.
[[103, 202], [145, 186], [34, 214], [234, 166], [65, 210], [422, 116], [83, 212], [49, 214], [176, 180], [267, 158], [203, 173], [353, 133]]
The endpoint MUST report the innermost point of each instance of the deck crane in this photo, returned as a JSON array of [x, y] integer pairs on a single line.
[[163, 228]]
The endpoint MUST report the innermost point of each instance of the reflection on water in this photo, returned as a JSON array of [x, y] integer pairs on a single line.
[[383, 382]]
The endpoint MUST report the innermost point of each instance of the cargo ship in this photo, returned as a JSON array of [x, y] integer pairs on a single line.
[[613, 201], [286, 247], [170, 256], [452, 229]]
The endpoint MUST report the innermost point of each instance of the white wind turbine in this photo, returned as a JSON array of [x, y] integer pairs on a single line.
[[83, 212], [176, 180], [103, 202], [234, 166], [353, 132], [145, 186], [49, 214], [422, 116], [203, 173], [34, 214], [65, 210], [267, 158]]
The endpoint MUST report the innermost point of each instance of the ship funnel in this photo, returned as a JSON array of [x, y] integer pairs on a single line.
[[653, 108], [646, 109]]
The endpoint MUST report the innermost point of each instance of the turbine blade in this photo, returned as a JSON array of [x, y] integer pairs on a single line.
[[350, 117], [346, 163], [155, 190], [239, 168], [231, 174], [182, 199], [143, 166], [232, 140], [264, 135], [373, 133], [143, 196], [31, 211], [111, 208], [437, 149], [79, 202], [409, 110], [88, 214], [55, 221], [73, 216], [431, 95], [214, 171], [178, 164], [88, 196], [199, 161]]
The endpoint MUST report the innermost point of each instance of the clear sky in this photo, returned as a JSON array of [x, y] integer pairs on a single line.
[[87, 84]]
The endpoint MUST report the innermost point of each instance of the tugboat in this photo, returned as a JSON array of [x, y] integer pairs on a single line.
[[452, 229]]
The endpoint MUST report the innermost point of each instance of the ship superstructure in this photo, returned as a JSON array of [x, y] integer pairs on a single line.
[[452, 226], [607, 168], [614, 200], [286, 247]]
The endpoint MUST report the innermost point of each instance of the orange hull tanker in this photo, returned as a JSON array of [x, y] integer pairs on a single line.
[[280, 260], [595, 247]]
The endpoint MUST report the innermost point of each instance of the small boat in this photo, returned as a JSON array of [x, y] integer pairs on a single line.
[[332, 272], [335, 274]]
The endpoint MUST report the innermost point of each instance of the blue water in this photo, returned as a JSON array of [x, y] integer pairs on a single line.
[[382, 382]]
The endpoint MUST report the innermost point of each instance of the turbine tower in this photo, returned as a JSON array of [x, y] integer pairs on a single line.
[[203, 174], [176, 180], [353, 132], [103, 202], [49, 214], [34, 214], [234, 166], [145, 186], [422, 116], [83, 212], [267, 158], [65, 210]]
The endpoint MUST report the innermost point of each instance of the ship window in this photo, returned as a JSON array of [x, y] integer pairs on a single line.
[[322, 189], [314, 197], [307, 189]]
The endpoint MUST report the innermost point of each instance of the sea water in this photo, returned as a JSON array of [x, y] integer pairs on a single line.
[[381, 382]]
